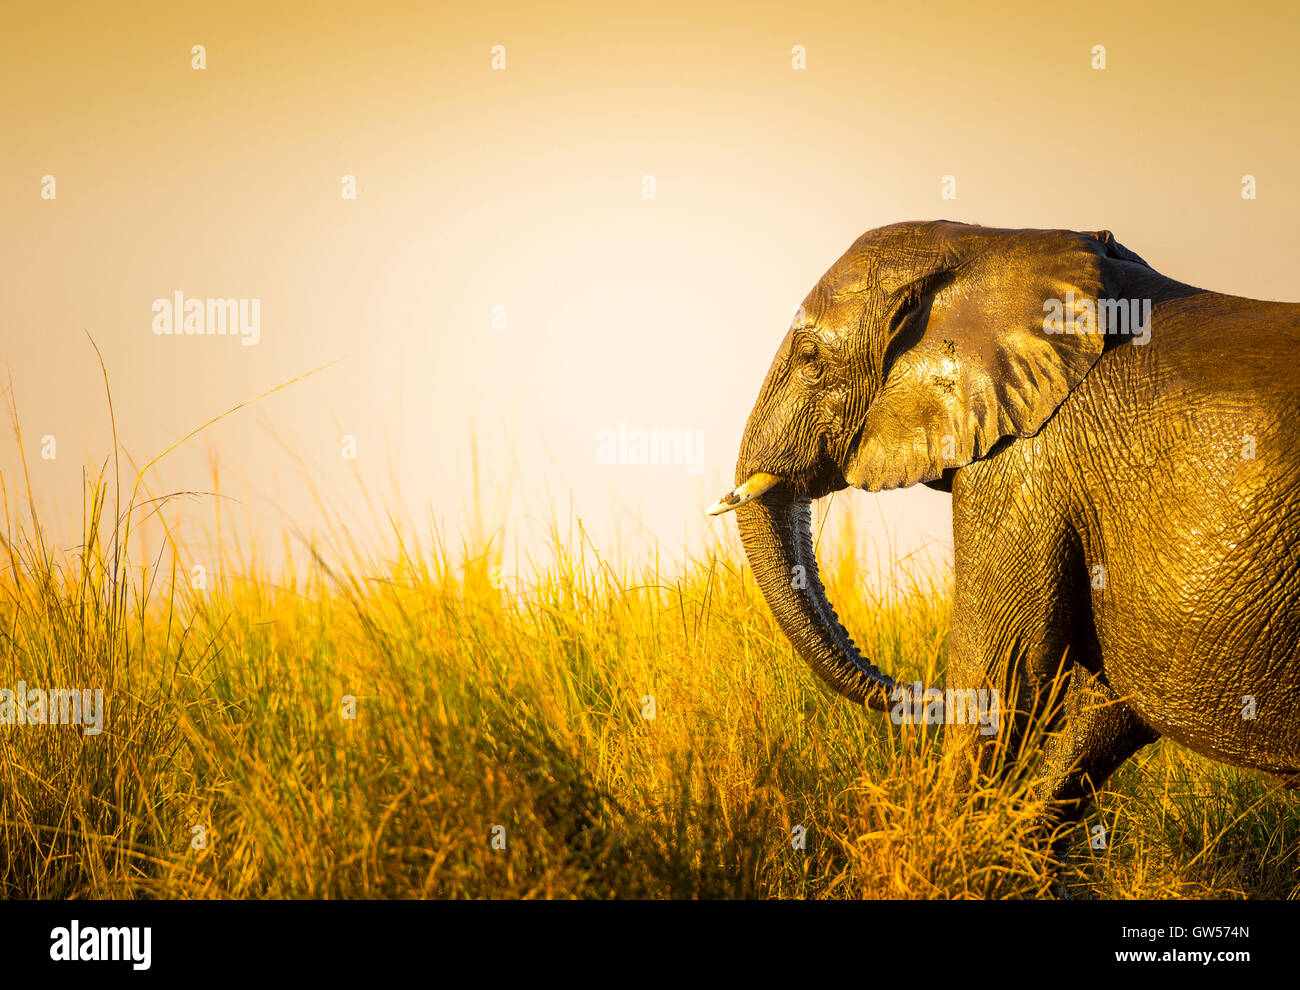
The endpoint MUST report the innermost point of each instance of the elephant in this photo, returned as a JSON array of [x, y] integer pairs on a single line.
[[1123, 458]]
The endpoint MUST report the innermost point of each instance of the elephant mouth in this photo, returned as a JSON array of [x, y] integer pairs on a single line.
[[824, 478]]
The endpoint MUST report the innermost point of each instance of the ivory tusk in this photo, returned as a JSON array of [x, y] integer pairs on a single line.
[[750, 490]]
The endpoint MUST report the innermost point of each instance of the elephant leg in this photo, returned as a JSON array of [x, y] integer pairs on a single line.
[[1096, 733], [1021, 611]]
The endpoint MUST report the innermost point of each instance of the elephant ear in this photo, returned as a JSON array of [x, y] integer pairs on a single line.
[[981, 364]]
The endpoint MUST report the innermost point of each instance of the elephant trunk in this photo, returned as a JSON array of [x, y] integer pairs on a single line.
[[776, 532]]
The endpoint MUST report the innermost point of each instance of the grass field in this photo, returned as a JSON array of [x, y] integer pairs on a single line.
[[500, 744]]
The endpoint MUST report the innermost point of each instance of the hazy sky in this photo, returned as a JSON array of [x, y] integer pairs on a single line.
[[526, 188]]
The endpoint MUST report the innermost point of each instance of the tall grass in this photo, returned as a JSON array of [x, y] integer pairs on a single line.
[[502, 743]]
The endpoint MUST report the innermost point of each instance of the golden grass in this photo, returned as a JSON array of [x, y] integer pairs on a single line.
[[523, 707], [478, 706]]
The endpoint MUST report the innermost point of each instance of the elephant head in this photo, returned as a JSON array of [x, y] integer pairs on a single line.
[[924, 346]]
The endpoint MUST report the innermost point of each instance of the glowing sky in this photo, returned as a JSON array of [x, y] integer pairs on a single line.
[[525, 189]]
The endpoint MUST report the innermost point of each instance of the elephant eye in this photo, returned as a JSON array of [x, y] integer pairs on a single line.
[[809, 360]]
